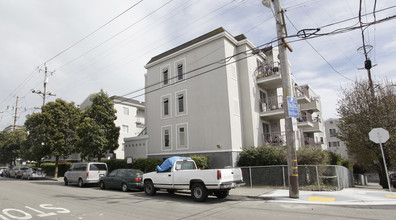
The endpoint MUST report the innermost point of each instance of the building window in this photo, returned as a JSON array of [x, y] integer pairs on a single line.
[[125, 129], [182, 136], [180, 101], [165, 76], [166, 107], [333, 132], [166, 138], [179, 71], [126, 110]]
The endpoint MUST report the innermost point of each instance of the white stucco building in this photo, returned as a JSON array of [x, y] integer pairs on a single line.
[[215, 95], [130, 119], [335, 145]]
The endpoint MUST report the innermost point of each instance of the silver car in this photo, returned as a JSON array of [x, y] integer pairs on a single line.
[[34, 173], [17, 171]]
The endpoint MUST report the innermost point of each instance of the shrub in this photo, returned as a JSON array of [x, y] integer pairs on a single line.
[[262, 156], [146, 164], [311, 156], [203, 162], [49, 168]]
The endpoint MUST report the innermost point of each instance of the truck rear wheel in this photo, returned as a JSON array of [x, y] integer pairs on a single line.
[[149, 188], [221, 194], [199, 192]]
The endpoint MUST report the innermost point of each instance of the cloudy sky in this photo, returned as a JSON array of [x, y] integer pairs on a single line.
[[90, 48]]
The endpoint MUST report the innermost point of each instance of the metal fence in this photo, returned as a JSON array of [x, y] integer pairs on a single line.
[[314, 177]]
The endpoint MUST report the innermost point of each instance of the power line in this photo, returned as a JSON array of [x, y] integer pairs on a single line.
[[93, 32], [328, 63]]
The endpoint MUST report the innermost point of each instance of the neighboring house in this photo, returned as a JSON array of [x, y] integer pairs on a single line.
[[13, 128], [216, 94], [130, 119], [335, 145]]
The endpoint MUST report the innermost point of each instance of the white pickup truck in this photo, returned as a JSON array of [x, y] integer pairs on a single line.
[[184, 175]]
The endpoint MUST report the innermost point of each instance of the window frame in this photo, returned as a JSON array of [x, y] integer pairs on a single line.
[[167, 129], [182, 93], [163, 69], [177, 63], [185, 136], [167, 98]]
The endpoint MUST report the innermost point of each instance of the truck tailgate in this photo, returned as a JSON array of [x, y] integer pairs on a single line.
[[231, 175]]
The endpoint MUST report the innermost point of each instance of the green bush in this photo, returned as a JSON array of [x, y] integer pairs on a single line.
[[146, 164], [49, 168], [311, 156], [262, 156], [203, 162], [334, 158]]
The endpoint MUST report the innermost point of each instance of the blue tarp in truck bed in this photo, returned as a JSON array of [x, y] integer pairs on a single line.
[[168, 163]]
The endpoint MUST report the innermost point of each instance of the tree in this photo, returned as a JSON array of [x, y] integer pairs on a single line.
[[59, 120], [34, 148], [97, 132], [361, 111], [11, 144]]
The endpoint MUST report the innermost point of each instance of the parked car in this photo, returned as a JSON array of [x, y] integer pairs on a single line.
[[124, 179], [34, 173], [393, 179], [3, 170], [17, 171], [85, 173], [6, 172]]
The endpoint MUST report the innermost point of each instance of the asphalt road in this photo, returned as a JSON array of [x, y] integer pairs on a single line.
[[47, 199]]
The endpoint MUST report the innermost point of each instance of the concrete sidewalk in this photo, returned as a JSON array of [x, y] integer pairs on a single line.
[[372, 194]]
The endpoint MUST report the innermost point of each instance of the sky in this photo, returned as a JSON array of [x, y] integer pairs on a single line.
[[97, 44]]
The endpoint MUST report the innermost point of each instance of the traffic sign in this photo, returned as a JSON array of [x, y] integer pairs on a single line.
[[292, 107], [379, 135]]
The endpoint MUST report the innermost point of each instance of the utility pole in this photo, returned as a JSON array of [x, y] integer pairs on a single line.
[[287, 89], [16, 112], [45, 93]]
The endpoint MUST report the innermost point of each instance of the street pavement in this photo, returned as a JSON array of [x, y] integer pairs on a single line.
[[371, 194], [368, 195]]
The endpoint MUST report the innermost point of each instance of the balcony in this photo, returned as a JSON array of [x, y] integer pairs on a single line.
[[305, 120], [274, 138], [272, 107], [269, 76], [309, 142], [302, 94], [312, 106], [314, 129]]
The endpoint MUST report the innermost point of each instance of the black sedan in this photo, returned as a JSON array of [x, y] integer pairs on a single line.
[[124, 179]]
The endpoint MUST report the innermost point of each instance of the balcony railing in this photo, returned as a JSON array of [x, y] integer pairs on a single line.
[[267, 70], [271, 103], [309, 142], [274, 138]]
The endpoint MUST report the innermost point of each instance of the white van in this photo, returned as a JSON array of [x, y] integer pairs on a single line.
[[85, 173]]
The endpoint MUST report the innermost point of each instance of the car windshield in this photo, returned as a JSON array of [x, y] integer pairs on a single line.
[[97, 166], [24, 168]]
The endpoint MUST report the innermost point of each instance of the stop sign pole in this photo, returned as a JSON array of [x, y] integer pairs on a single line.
[[379, 136]]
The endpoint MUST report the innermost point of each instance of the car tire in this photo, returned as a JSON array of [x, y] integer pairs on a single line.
[[199, 192], [221, 194], [28, 178], [124, 187], [149, 188], [65, 181], [102, 185], [80, 183]]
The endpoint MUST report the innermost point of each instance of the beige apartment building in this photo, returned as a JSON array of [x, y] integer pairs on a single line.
[[215, 95]]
